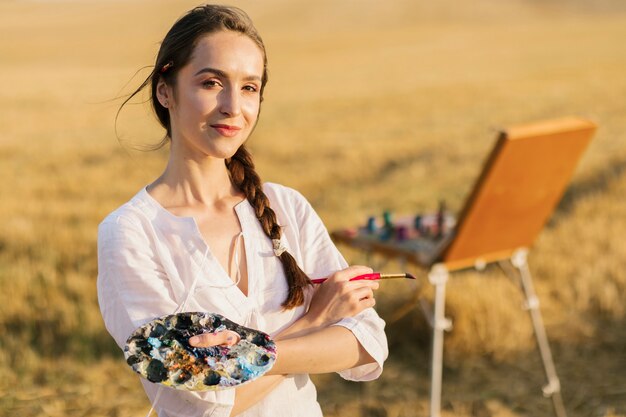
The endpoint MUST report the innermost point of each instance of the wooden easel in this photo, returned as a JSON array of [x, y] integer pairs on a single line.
[[522, 181]]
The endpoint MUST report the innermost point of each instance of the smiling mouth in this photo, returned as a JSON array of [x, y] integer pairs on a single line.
[[226, 130]]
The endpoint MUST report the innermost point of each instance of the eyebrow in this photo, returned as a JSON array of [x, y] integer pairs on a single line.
[[222, 74]]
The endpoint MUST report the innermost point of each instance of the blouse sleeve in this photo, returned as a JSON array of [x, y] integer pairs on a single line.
[[321, 258], [133, 288]]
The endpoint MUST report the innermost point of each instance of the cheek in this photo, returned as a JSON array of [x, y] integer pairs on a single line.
[[194, 102], [202, 103], [250, 108]]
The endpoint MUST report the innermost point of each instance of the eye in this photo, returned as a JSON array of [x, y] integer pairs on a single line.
[[251, 88], [210, 83]]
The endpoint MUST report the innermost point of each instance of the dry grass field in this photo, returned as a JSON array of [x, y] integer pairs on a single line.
[[371, 105]]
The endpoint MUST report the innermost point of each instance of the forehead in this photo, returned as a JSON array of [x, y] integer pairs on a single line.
[[230, 52]]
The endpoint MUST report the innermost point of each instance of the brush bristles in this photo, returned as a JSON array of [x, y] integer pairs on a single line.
[[392, 276]]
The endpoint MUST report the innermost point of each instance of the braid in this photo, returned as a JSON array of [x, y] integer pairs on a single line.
[[244, 176]]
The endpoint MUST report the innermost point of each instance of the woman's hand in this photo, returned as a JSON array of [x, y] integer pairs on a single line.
[[225, 338], [311, 344], [338, 297]]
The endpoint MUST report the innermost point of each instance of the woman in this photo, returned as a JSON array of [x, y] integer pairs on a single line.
[[207, 235]]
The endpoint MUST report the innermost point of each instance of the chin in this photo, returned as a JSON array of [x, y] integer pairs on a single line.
[[224, 153]]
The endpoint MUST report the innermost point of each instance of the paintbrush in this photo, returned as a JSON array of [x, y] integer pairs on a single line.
[[370, 277]]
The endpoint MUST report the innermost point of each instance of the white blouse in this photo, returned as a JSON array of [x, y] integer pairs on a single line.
[[148, 259]]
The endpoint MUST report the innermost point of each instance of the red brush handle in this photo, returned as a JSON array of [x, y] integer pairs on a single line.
[[369, 277]]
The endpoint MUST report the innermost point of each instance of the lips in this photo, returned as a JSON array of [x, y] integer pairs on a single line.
[[226, 130]]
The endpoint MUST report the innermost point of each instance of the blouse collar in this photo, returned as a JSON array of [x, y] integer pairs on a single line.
[[150, 206]]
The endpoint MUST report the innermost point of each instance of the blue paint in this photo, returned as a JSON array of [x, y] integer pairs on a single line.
[[249, 370], [154, 342]]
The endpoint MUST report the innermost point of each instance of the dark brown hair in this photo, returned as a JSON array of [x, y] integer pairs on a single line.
[[174, 53]]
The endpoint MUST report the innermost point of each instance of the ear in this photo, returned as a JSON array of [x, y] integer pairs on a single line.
[[164, 94]]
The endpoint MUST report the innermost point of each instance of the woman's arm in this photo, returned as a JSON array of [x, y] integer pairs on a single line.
[[326, 350], [331, 349], [133, 288], [334, 300], [312, 344], [307, 354], [248, 395]]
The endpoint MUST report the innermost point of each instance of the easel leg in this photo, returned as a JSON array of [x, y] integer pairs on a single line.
[[553, 388], [438, 276]]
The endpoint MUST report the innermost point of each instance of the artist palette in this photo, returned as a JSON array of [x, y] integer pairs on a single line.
[[160, 352]]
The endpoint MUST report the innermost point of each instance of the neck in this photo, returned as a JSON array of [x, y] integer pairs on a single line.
[[190, 181]]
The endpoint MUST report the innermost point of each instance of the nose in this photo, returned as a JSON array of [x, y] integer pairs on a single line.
[[229, 102]]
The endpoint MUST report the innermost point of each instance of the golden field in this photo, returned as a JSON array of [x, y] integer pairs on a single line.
[[370, 106]]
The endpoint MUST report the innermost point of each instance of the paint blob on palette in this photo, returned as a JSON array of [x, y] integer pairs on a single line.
[[160, 352]]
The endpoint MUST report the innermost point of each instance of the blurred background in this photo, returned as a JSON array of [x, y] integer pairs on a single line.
[[371, 105]]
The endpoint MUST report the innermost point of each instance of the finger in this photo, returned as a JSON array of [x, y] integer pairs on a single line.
[[361, 294], [348, 288], [224, 338], [363, 303], [352, 285], [351, 272], [368, 303]]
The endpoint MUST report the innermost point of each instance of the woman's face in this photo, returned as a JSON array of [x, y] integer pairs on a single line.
[[215, 102]]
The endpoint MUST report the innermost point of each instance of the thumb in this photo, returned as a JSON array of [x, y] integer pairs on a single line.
[[224, 338]]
